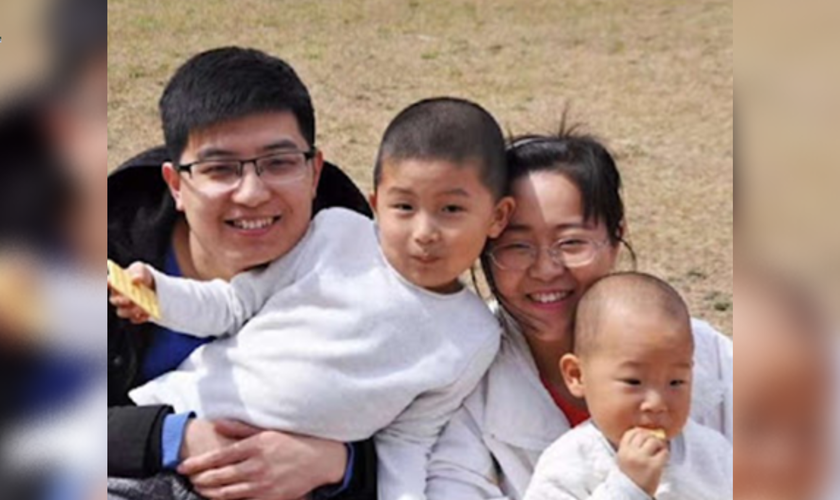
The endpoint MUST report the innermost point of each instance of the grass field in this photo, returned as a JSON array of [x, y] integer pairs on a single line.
[[652, 77]]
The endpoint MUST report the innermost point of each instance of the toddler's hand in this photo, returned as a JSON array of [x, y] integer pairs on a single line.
[[126, 309], [642, 457]]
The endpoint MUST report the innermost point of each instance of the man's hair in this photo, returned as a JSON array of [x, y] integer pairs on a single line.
[[643, 293], [448, 129], [228, 83]]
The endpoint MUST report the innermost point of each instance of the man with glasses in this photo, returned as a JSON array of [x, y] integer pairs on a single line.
[[242, 179]]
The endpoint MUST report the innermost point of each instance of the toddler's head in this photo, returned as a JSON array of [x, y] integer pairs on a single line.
[[440, 185], [633, 356]]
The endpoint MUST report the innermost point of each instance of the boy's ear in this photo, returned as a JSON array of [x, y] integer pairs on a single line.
[[570, 367], [501, 216], [372, 200], [173, 181]]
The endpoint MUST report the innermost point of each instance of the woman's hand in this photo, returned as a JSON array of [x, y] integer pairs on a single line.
[[234, 461]]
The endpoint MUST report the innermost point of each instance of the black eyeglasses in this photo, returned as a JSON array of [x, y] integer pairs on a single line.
[[222, 175]]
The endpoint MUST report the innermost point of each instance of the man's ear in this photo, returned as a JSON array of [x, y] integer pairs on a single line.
[[570, 367], [173, 181], [317, 168], [501, 216]]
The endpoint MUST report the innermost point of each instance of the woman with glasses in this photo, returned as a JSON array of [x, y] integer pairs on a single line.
[[567, 232]]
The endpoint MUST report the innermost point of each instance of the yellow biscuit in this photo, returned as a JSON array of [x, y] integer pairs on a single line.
[[659, 433], [142, 296]]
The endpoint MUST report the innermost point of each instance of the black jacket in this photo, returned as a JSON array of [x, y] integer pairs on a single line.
[[141, 218]]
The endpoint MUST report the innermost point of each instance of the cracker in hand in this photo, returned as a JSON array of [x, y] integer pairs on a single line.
[[141, 295]]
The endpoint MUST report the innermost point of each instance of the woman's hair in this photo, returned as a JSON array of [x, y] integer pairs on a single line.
[[583, 160]]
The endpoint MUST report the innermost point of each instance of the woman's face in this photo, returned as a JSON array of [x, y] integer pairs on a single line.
[[544, 296]]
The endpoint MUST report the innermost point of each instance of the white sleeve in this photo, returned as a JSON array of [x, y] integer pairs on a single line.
[[726, 349], [714, 355], [215, 308], [461, 466], [561, 474], [618, 487], [404, 447]]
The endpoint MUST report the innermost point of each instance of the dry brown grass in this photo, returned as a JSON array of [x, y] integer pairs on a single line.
[[652, 77]]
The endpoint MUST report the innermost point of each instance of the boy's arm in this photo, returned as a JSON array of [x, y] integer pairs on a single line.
[[566, 482], [572, 469], [405, 446], [461, 465], [215, 308]]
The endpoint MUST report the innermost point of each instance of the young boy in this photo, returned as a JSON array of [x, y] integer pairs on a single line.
[[361, 329], [633, 365]]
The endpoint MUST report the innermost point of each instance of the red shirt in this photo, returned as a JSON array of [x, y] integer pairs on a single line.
[[575, 415]]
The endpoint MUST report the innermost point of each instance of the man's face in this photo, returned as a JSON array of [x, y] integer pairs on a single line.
[[254, 222], [639, 374]]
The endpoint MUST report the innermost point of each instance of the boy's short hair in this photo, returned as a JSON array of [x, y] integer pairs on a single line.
[[229, 83], [449, 129], [643, 292]]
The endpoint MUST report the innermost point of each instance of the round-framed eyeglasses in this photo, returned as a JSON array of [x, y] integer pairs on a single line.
[[569, 252]]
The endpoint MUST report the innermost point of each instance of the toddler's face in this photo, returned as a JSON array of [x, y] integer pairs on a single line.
[[434, 218], [782, 417], [638, 375]]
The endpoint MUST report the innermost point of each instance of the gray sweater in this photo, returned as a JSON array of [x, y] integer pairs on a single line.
[[332, 342]]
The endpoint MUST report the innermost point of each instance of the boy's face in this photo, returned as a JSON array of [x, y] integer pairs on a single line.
[[638, 375], [782, 415], [254, 223], [434, 218]]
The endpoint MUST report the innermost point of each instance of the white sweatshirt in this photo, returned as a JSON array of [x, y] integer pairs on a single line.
[[332, 342], [582, 465]]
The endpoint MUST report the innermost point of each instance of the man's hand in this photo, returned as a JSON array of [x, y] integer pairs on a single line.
[[126, 308], [642, 457], [260, 465], [200, 437]]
